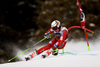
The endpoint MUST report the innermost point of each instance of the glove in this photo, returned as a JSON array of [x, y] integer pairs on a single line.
[[55, 52], [47, 35]]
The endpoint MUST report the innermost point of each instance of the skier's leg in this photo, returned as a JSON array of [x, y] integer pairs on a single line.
[[32, 55], [37, 52], [63, 45], [47, 47], [48, 52], [53, 48], [56, 51]]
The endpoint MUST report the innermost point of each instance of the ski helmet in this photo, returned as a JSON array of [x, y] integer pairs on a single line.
[[55, 24]]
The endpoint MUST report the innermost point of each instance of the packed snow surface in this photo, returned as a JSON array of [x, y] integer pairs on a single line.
[[81, 57]]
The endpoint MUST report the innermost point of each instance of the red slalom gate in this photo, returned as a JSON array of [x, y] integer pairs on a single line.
[[81, 27], [85, 29]]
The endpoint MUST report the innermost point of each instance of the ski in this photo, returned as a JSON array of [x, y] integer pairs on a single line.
[[67, 53]]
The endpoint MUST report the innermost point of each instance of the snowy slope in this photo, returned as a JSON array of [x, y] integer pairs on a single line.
[[59, 61], [82, 57]]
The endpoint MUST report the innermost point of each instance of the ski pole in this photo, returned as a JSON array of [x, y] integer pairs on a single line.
[[26, 49], [39, 41]]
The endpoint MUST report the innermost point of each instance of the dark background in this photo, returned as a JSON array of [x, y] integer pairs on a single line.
[[25, 21]]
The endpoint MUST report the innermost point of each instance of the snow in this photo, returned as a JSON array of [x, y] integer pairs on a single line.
[[81, 58]]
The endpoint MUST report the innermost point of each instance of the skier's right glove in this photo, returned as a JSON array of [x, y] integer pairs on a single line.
[[55, 52], [47, 35]]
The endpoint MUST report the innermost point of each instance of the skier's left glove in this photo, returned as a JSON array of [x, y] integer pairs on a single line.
[[55, 52], [47, 35]]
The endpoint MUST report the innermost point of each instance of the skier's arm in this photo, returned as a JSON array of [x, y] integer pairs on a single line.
[[48, 33]]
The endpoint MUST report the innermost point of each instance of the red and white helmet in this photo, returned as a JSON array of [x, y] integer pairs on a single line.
[[55, 25]]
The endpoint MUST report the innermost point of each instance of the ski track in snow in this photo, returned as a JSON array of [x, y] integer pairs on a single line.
[[81, 58]]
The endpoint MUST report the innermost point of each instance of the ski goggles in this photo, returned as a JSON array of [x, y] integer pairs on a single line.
[[54, 28]]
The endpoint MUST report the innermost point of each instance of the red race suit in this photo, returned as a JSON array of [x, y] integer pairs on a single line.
[[59, 41]]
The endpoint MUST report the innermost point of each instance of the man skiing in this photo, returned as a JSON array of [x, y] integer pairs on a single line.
[[58, 42]]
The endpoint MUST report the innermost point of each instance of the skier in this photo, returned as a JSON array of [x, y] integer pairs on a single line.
[[82, 16], [58, 42]]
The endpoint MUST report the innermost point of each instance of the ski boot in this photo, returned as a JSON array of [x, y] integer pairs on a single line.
[[47, 53], [43, 56], [55, 52], [27, 58], [31, 56]]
